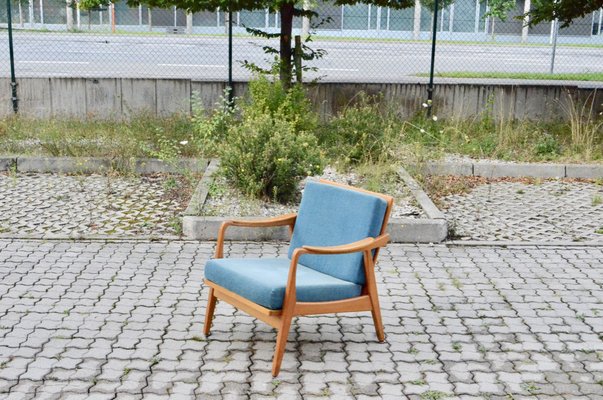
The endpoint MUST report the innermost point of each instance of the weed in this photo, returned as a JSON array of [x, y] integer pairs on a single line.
[[520, 191], [154, 361], [413, 350], [126, 373], [364, 132], [170, 183], [3, 364], [456, 346], [597, 200], [418, 382], [326, 392], [176, 224], [433, 395], [530, 387], [456, 283], [198, 339], [599, 231]]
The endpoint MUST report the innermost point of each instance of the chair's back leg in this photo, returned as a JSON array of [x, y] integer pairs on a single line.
[[209, 311], [281, 343], [371, 287]]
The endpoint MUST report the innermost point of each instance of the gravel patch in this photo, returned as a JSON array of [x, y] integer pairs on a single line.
[[225, 201]]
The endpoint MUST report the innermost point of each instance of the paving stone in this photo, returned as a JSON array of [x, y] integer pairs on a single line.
[[43, 204], [545, 211], [466, 321]]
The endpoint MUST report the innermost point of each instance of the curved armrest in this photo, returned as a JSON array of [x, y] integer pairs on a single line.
[[364, 245], [361, 245], [284, 220]]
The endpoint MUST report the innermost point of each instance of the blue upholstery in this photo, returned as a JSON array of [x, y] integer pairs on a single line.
[[263, 281], [330, 215]]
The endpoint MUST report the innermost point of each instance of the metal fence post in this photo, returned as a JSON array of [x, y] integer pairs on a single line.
[[230, 88], [13, 81], [433, 49], [554, 51]]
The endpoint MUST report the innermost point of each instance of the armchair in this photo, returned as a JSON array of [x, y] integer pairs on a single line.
[[335, 241]]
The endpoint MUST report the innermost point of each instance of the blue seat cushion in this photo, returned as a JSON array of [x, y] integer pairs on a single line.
[[263, 281], [331, 215]]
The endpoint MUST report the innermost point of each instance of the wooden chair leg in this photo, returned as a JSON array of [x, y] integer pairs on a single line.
[[209, 311], [281, 342], [376, 311], [378, 323]]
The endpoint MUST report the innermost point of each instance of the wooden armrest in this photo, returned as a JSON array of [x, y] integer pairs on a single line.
[[283, 220], [361, 245]]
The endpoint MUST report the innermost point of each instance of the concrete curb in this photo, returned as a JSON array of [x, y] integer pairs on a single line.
[[144, 238], [88, 165], [433, 229], [202, 190], [515, 170], [517, 243]]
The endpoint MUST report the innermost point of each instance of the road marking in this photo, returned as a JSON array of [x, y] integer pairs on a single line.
[[53, 62], [339, 69], [192, 65]]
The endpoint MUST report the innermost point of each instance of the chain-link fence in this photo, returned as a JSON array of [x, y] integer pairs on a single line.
[[363, 43]]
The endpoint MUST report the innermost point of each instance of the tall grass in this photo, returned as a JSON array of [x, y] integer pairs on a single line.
[[586, 126], [142, 136]]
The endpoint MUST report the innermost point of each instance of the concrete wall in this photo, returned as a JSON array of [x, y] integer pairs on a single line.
[[111, 98]]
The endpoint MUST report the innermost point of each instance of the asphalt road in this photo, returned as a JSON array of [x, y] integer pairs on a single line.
[[105, 55]]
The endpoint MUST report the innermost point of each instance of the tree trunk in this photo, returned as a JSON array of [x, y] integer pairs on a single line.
[[285, 45]]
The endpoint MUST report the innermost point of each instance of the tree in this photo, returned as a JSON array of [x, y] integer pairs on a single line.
[[498, 9], [430, 4], [287, 9], [565, 10]]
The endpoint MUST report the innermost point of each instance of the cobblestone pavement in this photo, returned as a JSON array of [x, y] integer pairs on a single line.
[[551, 210], [96, 320], [41, 204]]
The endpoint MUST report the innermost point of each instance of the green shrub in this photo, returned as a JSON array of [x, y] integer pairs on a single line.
[[272, 98], [266, 157], [362, 133], [210, 130], [274, 145], [547, 146]]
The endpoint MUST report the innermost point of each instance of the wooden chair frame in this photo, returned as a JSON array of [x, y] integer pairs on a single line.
[[281, 319]]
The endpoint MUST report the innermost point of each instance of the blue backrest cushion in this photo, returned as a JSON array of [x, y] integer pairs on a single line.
[[330, 215]]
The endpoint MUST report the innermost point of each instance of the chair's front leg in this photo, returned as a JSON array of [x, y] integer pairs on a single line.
[[281, 343], [287, 313], [209, 311]]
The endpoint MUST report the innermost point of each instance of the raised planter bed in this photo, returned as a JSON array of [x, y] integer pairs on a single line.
[[431, 227]]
